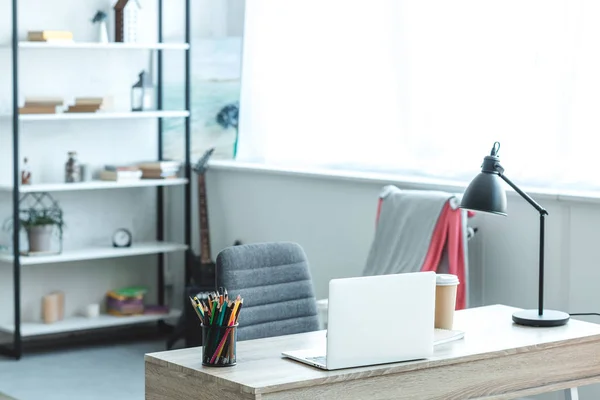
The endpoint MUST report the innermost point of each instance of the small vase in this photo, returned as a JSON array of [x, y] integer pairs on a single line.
[[40, 238], [102, 32]]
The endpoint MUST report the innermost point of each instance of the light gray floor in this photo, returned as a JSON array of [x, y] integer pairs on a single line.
[[84, 373]]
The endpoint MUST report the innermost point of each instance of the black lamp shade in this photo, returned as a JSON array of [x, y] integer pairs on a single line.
[[485, 193]]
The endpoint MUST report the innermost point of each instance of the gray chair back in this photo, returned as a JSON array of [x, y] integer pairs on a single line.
[[275, 282]]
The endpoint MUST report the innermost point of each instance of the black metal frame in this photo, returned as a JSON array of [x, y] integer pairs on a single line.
[[16, 350], [188, 131], [17, 342], [160, 193]]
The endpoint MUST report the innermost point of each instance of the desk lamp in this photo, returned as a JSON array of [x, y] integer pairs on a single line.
[[486, 194]]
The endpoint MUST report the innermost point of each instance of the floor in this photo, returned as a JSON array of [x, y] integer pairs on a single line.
[[108, 371]]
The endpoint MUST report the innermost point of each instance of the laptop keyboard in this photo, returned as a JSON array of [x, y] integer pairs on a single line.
[[318, 359]]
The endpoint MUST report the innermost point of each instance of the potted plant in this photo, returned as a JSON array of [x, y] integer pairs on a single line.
[[39, 225]]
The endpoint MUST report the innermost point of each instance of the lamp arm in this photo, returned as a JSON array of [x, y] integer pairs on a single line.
[[543, 214], [524, 195]]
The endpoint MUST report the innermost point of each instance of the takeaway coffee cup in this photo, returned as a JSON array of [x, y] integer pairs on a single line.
[[445, 300]]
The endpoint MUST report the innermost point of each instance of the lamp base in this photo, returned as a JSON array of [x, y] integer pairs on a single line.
[[547, 319]]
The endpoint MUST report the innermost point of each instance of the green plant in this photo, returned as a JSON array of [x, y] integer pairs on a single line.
[[38, 217], [100, 16], [31, 217]]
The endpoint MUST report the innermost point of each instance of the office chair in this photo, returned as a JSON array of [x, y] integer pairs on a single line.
[[275, 282]]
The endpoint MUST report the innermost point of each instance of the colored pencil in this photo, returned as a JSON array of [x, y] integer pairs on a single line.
[[219, 314]]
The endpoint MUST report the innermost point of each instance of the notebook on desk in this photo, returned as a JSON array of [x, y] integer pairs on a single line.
[[441, 336], [391, 321]]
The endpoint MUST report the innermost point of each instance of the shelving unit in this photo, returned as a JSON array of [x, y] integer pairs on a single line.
[[104, 46], [103, 115], [77, 324], [94, 185], [98, 253], [20, 329]]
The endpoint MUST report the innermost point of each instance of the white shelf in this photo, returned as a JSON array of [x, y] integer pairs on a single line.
[[103, 46], [93, 185], [75, 324], [96, 253], [103, 115]]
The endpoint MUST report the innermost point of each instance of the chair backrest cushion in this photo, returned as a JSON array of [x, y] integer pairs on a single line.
[[275, 282]]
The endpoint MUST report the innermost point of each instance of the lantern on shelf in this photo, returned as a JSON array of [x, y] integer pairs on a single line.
[[142, 93]]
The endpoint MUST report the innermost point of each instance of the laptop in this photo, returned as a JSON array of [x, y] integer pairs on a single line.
[[376, 320]]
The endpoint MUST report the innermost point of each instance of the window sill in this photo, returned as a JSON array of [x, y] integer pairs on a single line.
[[406, 182]]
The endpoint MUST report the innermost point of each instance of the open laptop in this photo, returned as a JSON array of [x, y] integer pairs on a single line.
[[376, 320]]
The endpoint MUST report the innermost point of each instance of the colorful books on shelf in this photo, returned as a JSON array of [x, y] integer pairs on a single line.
[[41, 105], [126, 301], [50, 36], [159, 169], [119, 173]]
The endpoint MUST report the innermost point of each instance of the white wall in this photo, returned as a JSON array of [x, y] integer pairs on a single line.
[[333, 219]]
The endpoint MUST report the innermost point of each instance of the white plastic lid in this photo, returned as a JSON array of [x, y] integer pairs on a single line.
[[446, 280]]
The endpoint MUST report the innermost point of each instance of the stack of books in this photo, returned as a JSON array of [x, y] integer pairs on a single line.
[[41, 105], [50, 36], [159, 169], [86, 105], [125, 301], [117, 173]]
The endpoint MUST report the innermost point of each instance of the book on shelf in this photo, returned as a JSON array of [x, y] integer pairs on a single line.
[[90, 104], [161, 169], [121, 168], [159, 175], [86, 101], [82, 109], [43, 101], [37, 110], [40, 105], [160, 165], [120, 176], [50, 35]]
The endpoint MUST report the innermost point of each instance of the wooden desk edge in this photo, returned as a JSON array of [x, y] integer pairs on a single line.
[[150, 359], [555, 387], [358, 373]]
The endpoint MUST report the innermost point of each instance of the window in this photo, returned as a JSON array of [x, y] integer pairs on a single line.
[[424, 87], [216, 48]]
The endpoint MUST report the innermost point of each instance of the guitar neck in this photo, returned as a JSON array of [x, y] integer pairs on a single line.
[[205, 257]]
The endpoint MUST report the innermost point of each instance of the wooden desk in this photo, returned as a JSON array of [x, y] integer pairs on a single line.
[[495, 360]]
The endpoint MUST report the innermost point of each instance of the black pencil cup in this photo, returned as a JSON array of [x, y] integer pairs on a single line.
[[219, 345]]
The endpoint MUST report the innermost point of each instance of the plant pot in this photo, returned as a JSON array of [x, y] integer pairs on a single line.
[[40, 238]]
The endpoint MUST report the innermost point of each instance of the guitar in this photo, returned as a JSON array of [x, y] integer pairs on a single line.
[[204, 269]]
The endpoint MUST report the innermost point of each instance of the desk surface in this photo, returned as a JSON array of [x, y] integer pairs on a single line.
[[559, 358]]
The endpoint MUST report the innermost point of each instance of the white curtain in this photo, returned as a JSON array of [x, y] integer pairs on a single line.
[[424, 87]]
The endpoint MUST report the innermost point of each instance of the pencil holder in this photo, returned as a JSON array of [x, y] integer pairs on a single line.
[[219, 345]]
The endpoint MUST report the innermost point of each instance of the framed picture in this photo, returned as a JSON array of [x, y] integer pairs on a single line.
[[216, 58]]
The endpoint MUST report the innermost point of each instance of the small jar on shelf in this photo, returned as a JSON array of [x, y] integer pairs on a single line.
[[72, 168], [25, 173]]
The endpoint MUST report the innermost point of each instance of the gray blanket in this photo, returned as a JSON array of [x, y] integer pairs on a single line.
[[406, 224]]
